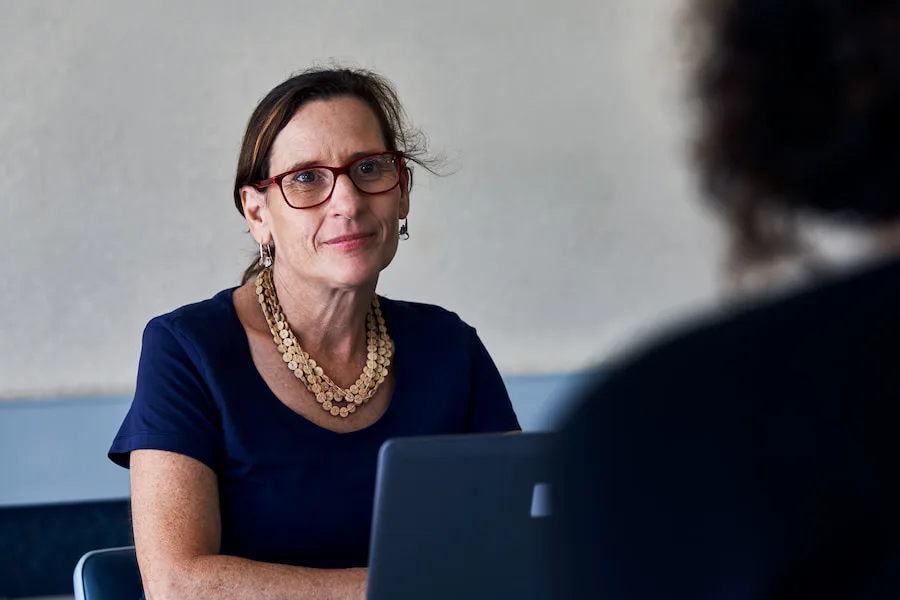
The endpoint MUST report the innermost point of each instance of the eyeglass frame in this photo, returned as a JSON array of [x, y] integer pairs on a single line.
[[335, 173]]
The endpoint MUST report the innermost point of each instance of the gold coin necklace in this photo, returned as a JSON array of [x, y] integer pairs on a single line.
[[333, 399]]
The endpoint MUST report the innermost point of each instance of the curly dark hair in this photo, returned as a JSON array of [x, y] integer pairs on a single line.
[[800, 112]]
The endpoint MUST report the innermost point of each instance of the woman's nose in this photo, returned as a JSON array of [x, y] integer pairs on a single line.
[[346, 199]]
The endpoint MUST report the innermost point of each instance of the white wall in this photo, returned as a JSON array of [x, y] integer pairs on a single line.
[[570, 222]]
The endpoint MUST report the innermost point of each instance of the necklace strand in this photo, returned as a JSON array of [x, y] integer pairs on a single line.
[[334, 399]]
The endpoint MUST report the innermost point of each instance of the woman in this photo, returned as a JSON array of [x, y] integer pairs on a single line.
[[756, 455], [258, 414]]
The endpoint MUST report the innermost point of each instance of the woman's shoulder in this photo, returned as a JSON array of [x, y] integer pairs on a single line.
[[209, 318], [423, 317]]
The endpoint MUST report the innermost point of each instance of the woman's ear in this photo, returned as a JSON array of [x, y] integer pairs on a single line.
[[256, 211], [405, 187]]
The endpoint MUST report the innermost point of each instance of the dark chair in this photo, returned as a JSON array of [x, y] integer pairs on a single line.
[[108, 574]]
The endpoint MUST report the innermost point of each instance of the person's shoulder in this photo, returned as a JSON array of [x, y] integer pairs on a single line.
[[858, 301], [429, 331], [203, 319], [785, 335], [418, 314]]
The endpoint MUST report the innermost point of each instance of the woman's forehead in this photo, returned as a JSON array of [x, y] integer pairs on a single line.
[[326, 132]]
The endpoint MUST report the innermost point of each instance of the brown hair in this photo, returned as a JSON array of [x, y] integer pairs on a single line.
[[279, 106], [799, 112]]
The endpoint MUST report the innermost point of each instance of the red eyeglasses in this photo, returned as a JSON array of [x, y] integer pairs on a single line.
[[311, 186]]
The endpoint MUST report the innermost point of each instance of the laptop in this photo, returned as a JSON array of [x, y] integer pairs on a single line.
[[461, 517]]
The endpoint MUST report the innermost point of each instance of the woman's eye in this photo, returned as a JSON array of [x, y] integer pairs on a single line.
[[306, 177], [367, 167]]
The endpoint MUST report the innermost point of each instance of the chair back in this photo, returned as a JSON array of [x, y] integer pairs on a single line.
[[108, 574]]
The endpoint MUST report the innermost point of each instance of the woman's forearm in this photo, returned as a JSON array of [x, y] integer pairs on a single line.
[[231, 578]]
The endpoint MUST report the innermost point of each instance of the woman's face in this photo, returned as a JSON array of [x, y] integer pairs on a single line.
[[347, 240]]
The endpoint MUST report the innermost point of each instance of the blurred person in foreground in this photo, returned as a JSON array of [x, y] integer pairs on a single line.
[[756, 454], [258, 414]]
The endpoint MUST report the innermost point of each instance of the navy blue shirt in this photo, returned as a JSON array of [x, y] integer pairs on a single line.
[[292, 492]]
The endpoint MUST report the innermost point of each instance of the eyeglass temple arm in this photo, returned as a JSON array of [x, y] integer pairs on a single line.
[[261, 185]]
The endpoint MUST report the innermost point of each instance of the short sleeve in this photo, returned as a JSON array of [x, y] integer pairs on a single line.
[[172, 408], [490, 409]]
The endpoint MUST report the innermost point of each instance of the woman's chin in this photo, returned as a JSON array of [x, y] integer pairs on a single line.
[[354, 278], [348, 272], [360, 270]]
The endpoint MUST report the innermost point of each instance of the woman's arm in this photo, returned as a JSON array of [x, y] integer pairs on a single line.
[[490, 409], [177, 534]]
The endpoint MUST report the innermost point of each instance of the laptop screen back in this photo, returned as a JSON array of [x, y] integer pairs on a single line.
[[461, 517]]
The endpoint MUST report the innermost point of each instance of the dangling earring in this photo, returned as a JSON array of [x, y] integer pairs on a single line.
[[265, 255], [404, 230]]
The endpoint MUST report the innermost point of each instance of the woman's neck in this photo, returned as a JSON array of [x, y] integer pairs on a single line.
[[329, 323]]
